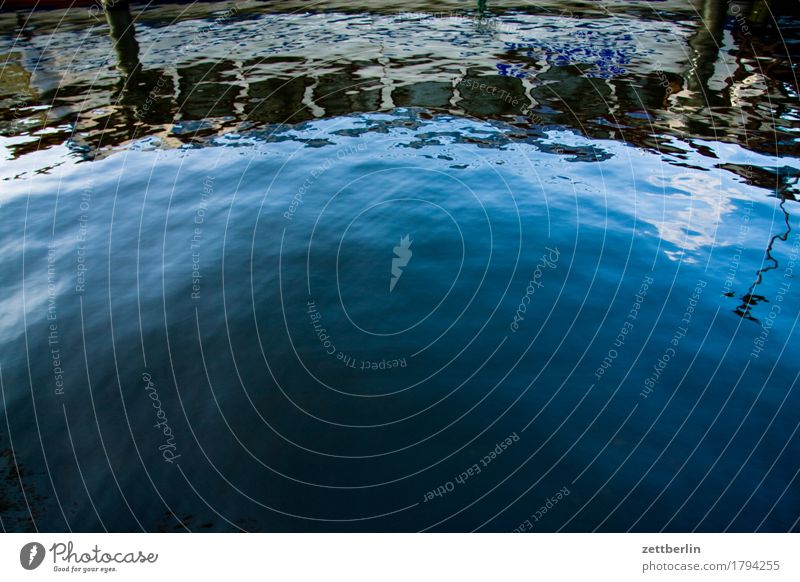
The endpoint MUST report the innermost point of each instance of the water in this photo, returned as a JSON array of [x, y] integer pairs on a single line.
[[339, 270]]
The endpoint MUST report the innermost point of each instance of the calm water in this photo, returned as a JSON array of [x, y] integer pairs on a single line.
[[328, 268]]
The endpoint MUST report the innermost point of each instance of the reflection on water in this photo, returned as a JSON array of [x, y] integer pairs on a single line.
[[750, 299], [300, 268], [238, 66]]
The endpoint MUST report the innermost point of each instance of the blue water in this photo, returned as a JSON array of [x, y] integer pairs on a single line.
[[578, 333]]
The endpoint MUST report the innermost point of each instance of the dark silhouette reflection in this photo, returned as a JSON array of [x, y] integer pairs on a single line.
[[123, 33], [705, 44], [524, 80], [138, 89], [142, 98], [751, 299]]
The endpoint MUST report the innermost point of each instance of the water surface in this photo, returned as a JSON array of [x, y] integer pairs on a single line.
[[335, 269]]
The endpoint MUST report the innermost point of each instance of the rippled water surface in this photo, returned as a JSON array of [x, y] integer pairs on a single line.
[[434, 267]]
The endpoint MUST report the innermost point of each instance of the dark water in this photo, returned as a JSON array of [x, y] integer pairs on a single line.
[[317, 268]]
